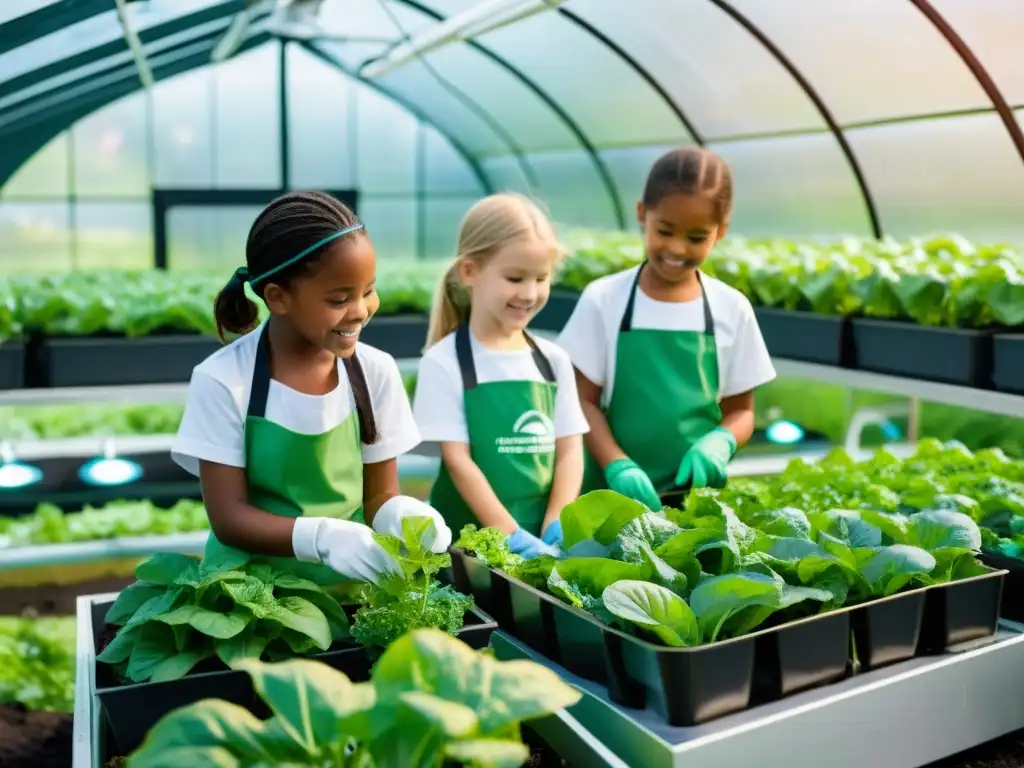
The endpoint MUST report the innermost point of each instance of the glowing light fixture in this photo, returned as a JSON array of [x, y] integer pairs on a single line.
[[109, 469], [784, 432], [13, 473]]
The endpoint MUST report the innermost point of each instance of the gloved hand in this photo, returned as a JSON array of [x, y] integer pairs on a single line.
[[625, 477], [389, 520], [343, 546], [705, 464], [552, 535], [528, 546]]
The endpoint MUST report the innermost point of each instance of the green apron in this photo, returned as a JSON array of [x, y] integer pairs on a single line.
[[511, 438], [664, 396], [292, 474]]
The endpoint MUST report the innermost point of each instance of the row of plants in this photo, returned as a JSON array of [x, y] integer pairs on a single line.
[[53, 422], [37, 662], [726, 564], [942, 281], [49, 524]]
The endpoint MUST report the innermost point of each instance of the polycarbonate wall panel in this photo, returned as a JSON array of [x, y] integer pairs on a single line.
[[321, 143], [507, 173], [392, 225], [572, 189], [799, 186], [44, 176], [111, 151], [869, 59], [629, 167], [247, 129], [35, 236], [386, 143], [183, 142], [957, 174], [441, 219], [613, 103], [724, 79], [447, 173], [994, 29], [208, 239], [113, 235]]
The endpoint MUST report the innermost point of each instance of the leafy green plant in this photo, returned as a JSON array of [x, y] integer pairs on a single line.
[[182, 611], [48, 524], [37, 662], [431, 701], [413, 598]]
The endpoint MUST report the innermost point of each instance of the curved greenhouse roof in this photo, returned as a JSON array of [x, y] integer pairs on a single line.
[[871, 117]]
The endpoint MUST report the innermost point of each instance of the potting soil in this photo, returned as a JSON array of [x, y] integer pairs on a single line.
[[34, 739]]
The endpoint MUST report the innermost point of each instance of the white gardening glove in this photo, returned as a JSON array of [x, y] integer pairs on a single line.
[[343, 546], [389, 520]]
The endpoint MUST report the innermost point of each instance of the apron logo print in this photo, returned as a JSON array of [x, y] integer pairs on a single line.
[[533, 432]]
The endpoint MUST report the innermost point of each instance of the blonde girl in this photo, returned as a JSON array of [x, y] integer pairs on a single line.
[[500, 404]]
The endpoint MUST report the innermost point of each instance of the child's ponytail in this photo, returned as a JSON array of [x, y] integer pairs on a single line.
[[233, 311], [450, 307]]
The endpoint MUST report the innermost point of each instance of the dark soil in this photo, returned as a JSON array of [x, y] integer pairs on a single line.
[[53, 599], [34, 739], [106, 637], [541, 755]]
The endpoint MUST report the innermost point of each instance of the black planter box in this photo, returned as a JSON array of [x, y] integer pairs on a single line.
[[1008, 363], [556, 312], [12, 364], [686, 686], [98, 361], [888, 630], [401, 336], [949, 355], [132, 710], [961, 611], [805, 336]]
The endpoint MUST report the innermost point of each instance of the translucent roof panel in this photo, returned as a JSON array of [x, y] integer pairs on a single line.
[[722, 77], [794, 186], [869, 59], [12, 9], [959, 173], [994, 29], [91, 32], [589, 79], [572, 189]]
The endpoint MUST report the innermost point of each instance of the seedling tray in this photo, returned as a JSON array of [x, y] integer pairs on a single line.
[[1008, 362], [805, 336], [1011, 604], [685, 685], [132, 710], [401, 336], [950, 355], [12, 365], [98, 361], [888, 630], [961, 611]]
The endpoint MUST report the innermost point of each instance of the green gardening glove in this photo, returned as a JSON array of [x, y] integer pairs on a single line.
[[705, 464], [625, 477]]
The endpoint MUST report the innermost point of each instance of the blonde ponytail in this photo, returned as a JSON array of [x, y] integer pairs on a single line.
[[490, 224], [450, 307]]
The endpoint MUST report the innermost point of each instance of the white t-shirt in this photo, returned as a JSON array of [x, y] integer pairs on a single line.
[[438, 405], [591, 335], [212, 428]]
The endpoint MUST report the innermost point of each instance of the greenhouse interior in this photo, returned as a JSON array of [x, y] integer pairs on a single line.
[[848, 593]]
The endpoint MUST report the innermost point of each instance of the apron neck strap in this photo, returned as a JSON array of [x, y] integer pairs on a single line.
[[260, 388], [626, 324], [464, 354]]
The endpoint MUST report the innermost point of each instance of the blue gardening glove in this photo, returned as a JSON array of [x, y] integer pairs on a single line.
[[705, 464], [552, 535], [528, 546], [625, 477]]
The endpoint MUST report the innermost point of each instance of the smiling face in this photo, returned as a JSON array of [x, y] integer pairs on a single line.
[[512, 286], [330, 304], [679, 233]]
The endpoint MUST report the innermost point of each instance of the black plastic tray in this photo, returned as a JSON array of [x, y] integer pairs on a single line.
[[961, 611], [686, 686], [1008, 362], [101, 361], [1011, 605], [12, 364], [951, 355], [888, 630], [132, 710], [401, 336], [805, 336], [556, 312]]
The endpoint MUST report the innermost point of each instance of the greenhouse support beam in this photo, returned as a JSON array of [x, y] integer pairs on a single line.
[[981, 74], [570, 123], [412, 109], [45, 21], [819, 103]]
